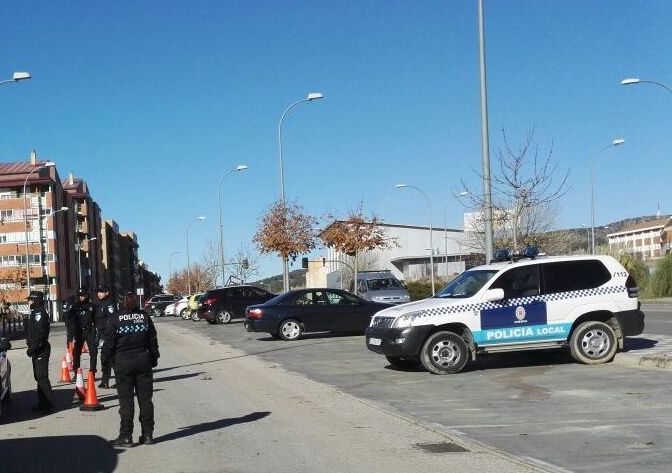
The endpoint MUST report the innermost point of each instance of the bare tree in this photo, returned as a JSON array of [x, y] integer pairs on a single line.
[[244, 265], [202, 279], [286, 230], [526, 190]]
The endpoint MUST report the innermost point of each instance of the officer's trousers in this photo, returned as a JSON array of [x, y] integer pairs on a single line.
[[134, 376], [90, 339], [105, 365], [45, 397]]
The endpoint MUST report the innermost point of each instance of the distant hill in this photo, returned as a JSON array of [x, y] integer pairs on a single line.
[[297, 279]]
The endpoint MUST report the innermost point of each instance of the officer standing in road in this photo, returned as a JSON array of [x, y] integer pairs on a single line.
[[37, 340], [84, 330], [105, 309], [131, 342], [69, 319]]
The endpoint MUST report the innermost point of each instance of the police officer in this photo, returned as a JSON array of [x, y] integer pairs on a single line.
[[84, 330], [69, 319], [105, 309], [37, 340], [131, 342]]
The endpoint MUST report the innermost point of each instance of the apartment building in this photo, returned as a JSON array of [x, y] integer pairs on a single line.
[[646, 240], [33, 216]]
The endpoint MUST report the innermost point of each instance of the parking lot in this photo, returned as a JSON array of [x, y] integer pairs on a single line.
[[537, 405]]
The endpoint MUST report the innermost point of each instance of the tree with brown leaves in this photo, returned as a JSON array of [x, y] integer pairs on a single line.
[[355, 235], [287, 230]]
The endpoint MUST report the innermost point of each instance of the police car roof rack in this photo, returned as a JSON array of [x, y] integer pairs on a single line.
[[504, 254]]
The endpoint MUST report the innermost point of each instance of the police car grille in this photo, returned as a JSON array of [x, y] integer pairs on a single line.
[[382, 322]]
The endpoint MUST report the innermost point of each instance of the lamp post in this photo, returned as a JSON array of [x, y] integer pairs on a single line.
[[199, 219], [170, 266], [431, 231], [309, 98], [16, 77], [642, 81], [25, 216], [240, 167], [51, 215], [614, 143]]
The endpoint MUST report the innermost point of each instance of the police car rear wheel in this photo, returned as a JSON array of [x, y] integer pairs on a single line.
[[593, 342], [444, 353]]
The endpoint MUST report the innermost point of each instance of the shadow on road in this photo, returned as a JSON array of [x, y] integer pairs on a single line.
[[634, 344], [93, 454], [178, 377], [19, 409], [208, 426], [114, 397]]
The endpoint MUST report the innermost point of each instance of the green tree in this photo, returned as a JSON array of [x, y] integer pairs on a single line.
[[661, 281]]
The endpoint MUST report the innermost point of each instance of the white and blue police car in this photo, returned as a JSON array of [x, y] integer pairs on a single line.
[[586, 303]]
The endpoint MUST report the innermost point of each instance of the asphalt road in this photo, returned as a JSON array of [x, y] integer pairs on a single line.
[[658, 318], [221, 410], [536, 405]]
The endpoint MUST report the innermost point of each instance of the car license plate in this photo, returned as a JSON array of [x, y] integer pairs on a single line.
[[375, 341]]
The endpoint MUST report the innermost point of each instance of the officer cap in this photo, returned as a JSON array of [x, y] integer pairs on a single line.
[[103, 288], [36, 296], [82, 292]]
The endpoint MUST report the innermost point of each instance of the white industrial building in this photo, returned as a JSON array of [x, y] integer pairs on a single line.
[[408, 259]]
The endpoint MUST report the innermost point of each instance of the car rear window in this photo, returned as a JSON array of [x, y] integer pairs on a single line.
[[573, 275]]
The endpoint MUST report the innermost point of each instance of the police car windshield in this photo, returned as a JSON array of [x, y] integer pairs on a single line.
[[466, 284]]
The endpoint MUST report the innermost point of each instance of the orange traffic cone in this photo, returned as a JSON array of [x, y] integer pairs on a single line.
[[91, 401], [86, 348], [68, 359], [65, 373], [79, 387]]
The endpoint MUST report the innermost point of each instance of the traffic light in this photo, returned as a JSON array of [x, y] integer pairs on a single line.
[[245, 264], [304, 263]]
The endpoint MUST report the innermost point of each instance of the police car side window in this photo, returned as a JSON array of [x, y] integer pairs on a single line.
[[519, 282], [574, 275]]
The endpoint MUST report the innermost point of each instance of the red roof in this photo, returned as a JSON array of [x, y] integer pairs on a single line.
[[18, 168]]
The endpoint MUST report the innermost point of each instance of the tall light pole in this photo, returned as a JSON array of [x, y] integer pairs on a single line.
[[51, 215], [240, 167], [485, 141], [642, 81], [614, 143], [25, 215], [16, 77], [199, 219], [170, 263], [431, 230], [311, 96]]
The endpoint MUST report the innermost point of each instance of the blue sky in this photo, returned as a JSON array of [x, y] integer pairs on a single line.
[[152, 101]]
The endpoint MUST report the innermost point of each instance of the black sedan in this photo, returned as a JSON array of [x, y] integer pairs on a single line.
[[289, 315]]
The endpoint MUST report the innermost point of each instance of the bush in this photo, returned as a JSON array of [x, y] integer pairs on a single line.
[[661, 281], [422, 288], [637, 269]]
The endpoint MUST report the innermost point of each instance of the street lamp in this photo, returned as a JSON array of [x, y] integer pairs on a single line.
[[614, 143], [309, 98], [240, 167], [16, 77], [199, 219], [431, 231], [25, 213], [170, 260], [642, 81], [51, 215]]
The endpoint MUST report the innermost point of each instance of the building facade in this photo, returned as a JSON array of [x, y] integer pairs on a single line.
[[645, 240]]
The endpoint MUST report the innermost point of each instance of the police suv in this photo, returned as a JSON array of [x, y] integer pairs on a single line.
[[586, 303]]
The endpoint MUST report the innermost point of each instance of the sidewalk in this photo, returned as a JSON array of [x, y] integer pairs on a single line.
[[646, 350]]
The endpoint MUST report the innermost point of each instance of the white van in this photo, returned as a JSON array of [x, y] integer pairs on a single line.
[[586, 303]]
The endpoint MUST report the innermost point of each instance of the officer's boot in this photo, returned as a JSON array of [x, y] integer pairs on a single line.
[[122, 442], [146, 439]]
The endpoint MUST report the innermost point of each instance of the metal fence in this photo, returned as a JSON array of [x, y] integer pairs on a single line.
[[12, 322]]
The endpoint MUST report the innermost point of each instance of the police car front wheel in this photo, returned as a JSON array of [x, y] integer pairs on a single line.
[[444, 353], [593, 342]]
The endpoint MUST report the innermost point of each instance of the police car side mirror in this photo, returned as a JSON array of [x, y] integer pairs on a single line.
[[493, 295]]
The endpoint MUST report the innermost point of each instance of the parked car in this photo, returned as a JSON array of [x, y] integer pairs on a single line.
[[176, 308], [289, 315], [380, 286], [156, 304], [587, 304], [220, 306], [5, 373], [192, 307]]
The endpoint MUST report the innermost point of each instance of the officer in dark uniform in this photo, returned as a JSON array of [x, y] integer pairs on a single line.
[[37, 340], [84, 330], [131, 342], [69, 319], [105, 309]]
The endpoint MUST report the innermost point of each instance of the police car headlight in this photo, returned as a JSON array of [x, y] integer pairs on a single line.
[[406, 320]]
